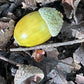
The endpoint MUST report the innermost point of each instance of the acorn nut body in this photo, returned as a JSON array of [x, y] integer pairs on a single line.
[[37, 27]]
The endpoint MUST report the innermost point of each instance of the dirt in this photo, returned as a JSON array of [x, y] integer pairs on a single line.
[[48, 63]]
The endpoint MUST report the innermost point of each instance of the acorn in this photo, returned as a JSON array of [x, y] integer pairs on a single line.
[[37, 27]]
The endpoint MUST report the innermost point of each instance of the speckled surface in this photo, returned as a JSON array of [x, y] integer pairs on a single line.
[[53, 19], [26, 71]]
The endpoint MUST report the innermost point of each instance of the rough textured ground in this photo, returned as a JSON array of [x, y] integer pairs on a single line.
[[61, 65]]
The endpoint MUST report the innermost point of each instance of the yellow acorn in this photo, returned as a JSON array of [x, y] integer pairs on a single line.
[[37, 27]]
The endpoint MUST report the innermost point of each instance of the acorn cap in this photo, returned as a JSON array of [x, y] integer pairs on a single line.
[[26, 71], [53, 19]]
